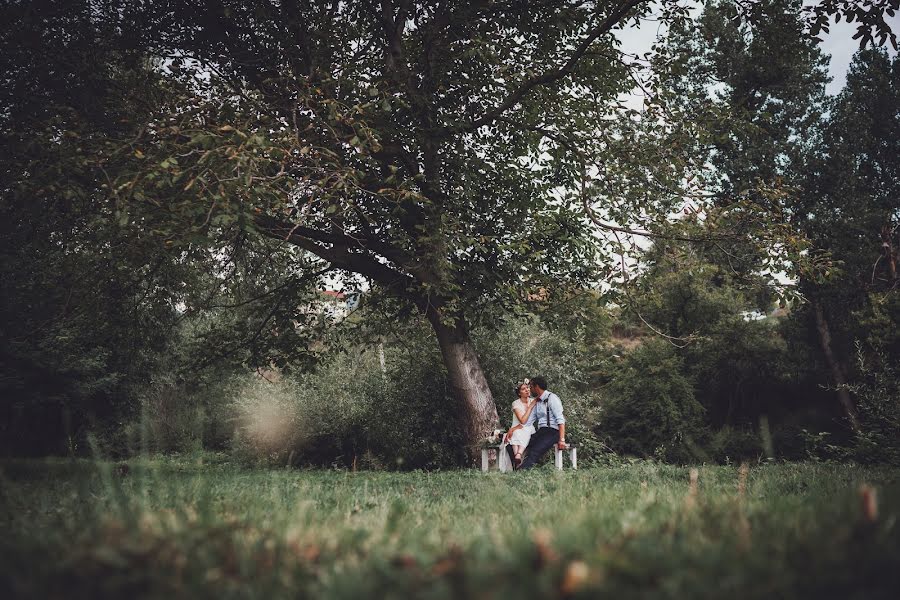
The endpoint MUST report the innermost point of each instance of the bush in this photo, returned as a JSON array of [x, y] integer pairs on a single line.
[[269, 426], [177, 416], [650, 409], [730, 444], [174, 421], [349, 413], [414, 422], [402, 418], [582, 420], [877, 396], [740, 371]]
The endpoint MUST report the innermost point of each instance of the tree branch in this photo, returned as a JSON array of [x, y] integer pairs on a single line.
[[337, 253], [605, 26], [287, 282], [642, 233]]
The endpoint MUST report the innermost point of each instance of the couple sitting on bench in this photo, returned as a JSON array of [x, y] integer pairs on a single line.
[[538, 424]]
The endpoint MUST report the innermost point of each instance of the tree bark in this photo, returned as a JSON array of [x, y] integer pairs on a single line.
[[837, 371], [887, 248], [467, 381]]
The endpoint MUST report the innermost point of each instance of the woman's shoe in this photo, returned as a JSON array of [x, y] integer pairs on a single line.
[[517, 461]]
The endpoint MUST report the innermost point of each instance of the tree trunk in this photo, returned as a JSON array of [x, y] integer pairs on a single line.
[[468, 383], [887, 247], [837, 371]]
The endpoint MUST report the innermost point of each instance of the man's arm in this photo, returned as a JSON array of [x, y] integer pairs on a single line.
[[561, 421]]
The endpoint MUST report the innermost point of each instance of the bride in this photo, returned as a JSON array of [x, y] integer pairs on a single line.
[[520, 431]]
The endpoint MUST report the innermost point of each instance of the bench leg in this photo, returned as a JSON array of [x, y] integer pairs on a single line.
[[573, 458], [485, 463], [559, 462]]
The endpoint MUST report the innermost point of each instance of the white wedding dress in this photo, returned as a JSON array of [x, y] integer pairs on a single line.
[[520, 437]]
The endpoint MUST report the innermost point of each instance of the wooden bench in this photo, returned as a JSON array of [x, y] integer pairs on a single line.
[[486, 451]]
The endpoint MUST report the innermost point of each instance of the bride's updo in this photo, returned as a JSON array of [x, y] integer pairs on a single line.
[[519, 385]]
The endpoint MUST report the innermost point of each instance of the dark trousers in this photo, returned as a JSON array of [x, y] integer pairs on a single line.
[[543, 439]]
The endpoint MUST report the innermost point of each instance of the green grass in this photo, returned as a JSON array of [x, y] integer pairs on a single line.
[[194, 528]]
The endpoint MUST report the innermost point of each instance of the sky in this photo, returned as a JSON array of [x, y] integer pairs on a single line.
[[839, 43]]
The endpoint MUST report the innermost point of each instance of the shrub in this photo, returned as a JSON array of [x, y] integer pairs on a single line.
[[403, 417], [175, 415], [269, 426], [582, 420], [730, 444], [877, 396], [175, 420], [349, 413], [414, 422], [650, 408]]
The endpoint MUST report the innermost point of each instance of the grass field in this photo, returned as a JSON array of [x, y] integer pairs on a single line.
[[202, 528]]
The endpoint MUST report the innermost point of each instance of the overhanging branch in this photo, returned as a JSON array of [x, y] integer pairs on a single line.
[[605, 26], [336, 249], [589, 211]]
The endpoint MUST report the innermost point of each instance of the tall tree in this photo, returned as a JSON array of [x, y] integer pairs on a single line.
[[82, 297], [766, 82], [417, 144], [851, 207], [93, 301]]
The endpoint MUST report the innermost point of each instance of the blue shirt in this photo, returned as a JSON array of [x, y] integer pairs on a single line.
[[538, 416]]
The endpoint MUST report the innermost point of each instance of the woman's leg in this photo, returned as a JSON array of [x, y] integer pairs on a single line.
[[517, 458]]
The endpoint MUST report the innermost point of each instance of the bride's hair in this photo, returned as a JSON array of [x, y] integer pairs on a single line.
[[519, 385]]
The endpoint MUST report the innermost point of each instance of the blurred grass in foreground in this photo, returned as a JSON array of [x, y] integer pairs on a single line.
[[200, 527]]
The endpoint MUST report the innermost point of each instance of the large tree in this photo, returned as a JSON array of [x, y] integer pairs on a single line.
[[83, 299], [850, 207], [421, 145], [94, 305]]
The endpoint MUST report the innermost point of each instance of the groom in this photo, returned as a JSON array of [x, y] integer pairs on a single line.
[[547, 418]]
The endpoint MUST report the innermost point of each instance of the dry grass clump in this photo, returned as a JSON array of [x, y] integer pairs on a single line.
[[269, 423]]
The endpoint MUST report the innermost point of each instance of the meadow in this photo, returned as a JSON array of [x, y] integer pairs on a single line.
[[202, 527]]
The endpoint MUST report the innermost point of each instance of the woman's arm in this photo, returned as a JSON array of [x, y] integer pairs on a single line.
[[522, 415], [510, 432]]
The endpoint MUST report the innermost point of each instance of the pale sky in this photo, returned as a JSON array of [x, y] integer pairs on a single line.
[[839, 43]]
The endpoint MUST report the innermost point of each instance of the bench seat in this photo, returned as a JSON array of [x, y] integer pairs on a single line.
[[572, 450]]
